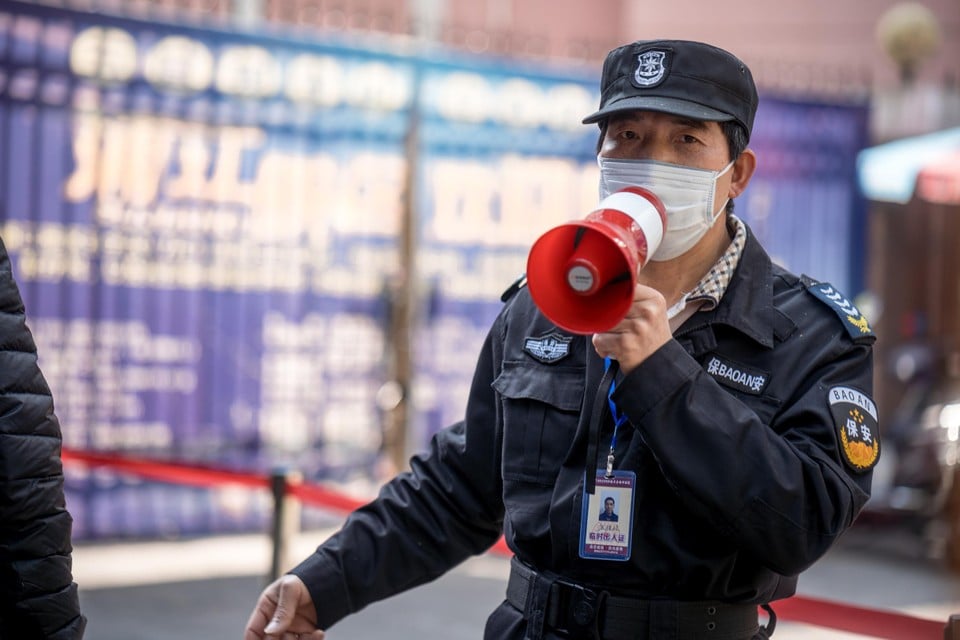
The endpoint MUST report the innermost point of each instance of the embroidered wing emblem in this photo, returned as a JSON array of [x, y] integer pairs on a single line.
[[549, 348]]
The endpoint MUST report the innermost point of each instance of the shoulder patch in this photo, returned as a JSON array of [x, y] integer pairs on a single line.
[[548, 349], [854, 322], [855, 416]]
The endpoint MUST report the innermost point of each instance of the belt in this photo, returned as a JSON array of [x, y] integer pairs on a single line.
[[578, 611]]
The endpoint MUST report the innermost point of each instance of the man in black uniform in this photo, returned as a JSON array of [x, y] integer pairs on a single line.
[[735, 423]]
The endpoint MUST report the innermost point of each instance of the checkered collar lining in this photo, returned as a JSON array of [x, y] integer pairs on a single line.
[[713, 285]]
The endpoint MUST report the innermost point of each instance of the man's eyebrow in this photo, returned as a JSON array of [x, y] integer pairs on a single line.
[[693, 123], [633, 118]]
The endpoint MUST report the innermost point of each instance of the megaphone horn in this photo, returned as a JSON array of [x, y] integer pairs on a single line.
[[582, 274]]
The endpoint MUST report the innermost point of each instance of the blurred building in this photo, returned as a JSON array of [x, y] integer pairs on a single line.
[[219, 161], [901, 58], [816, 46]]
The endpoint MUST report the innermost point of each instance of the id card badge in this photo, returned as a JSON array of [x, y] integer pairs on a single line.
[[607, 522]]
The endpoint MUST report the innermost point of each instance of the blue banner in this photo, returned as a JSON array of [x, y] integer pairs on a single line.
[[206, 229]]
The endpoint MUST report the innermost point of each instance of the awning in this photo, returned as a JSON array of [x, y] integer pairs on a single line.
[[928, 165]]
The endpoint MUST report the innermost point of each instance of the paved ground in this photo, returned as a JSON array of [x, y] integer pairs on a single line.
[[205, 588]]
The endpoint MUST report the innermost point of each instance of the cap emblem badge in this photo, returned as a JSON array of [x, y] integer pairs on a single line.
[[650, 68]]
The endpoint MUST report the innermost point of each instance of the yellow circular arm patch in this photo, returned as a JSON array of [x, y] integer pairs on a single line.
[[855, 416]]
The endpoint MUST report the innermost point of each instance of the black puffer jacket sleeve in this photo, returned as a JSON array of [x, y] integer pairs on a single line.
[[38, 598]]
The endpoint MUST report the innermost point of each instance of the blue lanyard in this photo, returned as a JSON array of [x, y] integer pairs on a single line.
[[618, 418]]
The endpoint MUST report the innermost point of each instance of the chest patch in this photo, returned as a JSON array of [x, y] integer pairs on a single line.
[[548, 349], [853, 321], [855, 416], [736, 376]]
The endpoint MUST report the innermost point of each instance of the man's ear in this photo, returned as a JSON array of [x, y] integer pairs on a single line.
[[743, 170]]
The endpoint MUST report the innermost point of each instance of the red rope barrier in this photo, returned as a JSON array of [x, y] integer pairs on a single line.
[[869, 622], [822, 613], [173, 472]]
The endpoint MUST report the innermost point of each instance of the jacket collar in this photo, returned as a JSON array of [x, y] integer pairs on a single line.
[[747, 304]]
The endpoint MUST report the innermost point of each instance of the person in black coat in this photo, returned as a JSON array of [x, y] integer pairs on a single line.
[[38, 598]]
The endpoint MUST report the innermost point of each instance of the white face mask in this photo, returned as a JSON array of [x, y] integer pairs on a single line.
[[686, 193]]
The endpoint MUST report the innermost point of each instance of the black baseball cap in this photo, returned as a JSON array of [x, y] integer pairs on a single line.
[[682, 77]]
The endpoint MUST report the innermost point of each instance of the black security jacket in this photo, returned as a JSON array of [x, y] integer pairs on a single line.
[[737, 491], [38, 598]]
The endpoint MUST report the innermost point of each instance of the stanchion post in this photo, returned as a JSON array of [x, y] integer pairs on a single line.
[[952, 630], [286, 519]]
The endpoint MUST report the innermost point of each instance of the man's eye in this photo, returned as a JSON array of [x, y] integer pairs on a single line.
[[628, 135], [688, 139]]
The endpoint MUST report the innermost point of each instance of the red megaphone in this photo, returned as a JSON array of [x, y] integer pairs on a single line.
[[582, 274]]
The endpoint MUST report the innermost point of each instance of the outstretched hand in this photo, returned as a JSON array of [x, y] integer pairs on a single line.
[[285, 611]]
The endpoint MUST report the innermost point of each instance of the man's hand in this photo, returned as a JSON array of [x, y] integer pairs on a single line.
[[642, 331], [284, 611]]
